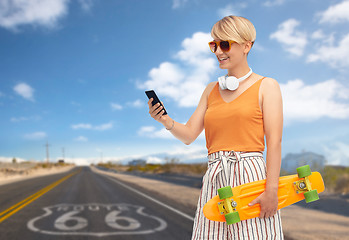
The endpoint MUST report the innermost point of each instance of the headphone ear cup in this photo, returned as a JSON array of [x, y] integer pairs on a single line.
[[232, 83], [221, 81]]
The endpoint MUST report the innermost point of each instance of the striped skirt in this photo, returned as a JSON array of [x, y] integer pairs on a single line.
[[229, 168]]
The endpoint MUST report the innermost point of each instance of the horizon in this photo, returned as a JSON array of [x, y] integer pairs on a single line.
[[150, 159]]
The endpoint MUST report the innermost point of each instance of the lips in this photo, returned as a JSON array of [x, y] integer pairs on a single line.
[[222, 59]]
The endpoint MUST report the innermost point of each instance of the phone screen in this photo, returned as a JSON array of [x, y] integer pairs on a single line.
[[152, 94]]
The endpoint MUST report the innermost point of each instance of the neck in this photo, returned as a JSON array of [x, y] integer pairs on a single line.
[[239, 71]]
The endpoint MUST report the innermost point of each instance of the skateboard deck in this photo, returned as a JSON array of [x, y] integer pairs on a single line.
[[233, 207]]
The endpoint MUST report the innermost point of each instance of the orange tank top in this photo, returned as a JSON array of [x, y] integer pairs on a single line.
[[237, 125]]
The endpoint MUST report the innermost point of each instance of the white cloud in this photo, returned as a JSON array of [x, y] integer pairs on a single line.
[[336, 13], [184, 81], [25, 91], [9, 159], [258, 47], [81, 139], [115, 106], [82, 126], [335, 56], [136, 104], [1, 94], [232, 9], [86, 5], [105, 126], [319, 34], [76, 104], [337, 153], [152, 132], [272, 3], [80, 161], [311, 102], [182, 153], [190, 152], [154, 160], [178, 3], [15, 13], [35, 136], [22, 119], [293, 40], [89, 126]]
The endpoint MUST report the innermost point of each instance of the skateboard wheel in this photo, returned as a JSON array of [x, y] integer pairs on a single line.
[[304, 171], [311, 196], [225, 192], [232, 218]]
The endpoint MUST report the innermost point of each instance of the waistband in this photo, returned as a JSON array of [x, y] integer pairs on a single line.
[[219, 160], [232, 155]]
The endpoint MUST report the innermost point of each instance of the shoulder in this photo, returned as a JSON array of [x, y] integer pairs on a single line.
[[211, 85], [204, 97], [269, 85], [270, 93], [209, 88]]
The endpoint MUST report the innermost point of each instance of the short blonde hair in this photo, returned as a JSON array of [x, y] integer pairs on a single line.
[[238, 29]]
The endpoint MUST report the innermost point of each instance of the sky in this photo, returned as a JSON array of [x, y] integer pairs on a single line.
[[73, 75]]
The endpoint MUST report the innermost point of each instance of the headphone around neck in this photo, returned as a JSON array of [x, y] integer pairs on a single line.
[[230, 82]]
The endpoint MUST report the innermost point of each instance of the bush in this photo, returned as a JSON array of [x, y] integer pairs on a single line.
[[336, 179], [342, 185]]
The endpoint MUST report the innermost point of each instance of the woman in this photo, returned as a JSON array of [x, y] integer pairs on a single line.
[[236, 114]]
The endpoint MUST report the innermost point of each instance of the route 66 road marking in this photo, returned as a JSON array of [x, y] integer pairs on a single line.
[[86, 219]]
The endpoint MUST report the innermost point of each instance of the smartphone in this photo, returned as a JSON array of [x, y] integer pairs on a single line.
[[152, 94]]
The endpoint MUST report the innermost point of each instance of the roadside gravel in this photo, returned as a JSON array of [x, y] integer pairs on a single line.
[[5, 179]]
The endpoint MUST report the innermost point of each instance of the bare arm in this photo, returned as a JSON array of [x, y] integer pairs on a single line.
[[273, 124], [188, 132]]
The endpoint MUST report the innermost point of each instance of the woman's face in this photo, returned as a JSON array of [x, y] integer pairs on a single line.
[[232, 58]]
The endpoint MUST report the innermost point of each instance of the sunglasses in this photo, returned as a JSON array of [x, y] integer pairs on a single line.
[[224, 45]]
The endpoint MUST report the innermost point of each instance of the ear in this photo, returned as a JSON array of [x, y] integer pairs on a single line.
[[247, 47]]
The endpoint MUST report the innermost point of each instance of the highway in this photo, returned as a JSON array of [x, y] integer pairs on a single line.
[[82, 204]]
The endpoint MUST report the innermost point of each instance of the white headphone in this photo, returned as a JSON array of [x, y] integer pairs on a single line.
[[231, 82]]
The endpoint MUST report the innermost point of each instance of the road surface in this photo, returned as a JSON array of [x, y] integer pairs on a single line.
[[82, 204]]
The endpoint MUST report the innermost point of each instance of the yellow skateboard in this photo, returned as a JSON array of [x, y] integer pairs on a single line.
[[231, 204]]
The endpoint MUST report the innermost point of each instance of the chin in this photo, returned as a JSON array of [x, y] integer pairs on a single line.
[[223, 66]]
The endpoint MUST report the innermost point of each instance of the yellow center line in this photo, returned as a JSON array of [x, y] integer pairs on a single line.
[[15, 208]]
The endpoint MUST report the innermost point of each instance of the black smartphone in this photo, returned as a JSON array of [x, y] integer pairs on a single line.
[[152, 94]]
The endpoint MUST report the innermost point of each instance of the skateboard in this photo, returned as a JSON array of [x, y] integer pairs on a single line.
[[231, 204]]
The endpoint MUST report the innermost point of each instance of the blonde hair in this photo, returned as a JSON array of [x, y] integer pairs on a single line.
[[238, 29]]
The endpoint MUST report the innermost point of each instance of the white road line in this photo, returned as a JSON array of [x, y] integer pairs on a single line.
[[151, 198]]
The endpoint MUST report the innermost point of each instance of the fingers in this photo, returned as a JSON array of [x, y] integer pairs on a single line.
[[150, 101], [266, 210], [266, 213], [155, 111], [255, 201]]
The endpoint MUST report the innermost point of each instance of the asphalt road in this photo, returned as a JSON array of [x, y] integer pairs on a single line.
[[82, 204]]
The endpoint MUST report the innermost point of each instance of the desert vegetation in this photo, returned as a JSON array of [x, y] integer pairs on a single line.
[[336, 178]]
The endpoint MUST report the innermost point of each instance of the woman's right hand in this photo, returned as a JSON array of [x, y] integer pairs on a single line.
[[157, 112]]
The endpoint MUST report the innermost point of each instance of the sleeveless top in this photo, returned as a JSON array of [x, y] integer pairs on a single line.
[[237, 125]]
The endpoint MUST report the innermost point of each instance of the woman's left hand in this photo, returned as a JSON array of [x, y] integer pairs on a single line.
[[268, 202]]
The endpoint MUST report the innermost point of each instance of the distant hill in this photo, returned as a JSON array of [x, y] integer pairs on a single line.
[[293, 160]]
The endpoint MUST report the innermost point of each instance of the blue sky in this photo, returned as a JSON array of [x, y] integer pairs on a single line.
[[73, 74]]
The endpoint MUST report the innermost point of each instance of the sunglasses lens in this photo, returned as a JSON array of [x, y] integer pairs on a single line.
[[213, 46], [225, 46]]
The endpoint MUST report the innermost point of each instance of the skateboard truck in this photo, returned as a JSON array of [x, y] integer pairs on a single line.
[[227, 206], [303, 185]]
